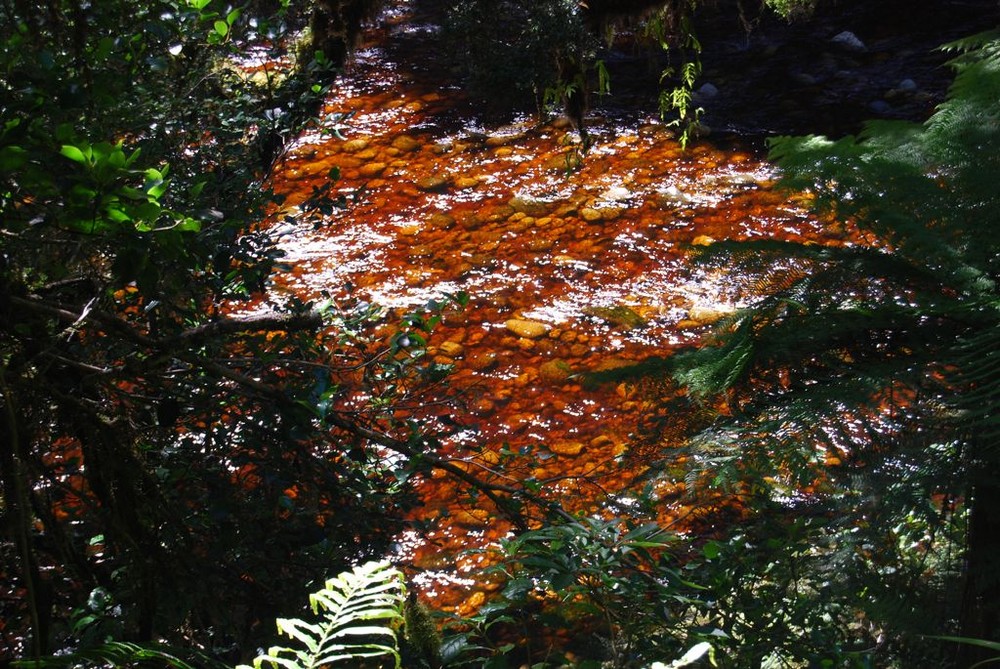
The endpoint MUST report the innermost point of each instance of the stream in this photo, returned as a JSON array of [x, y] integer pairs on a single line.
[[573, 264]]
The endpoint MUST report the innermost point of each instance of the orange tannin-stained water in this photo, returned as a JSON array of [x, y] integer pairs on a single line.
[[573, 264]]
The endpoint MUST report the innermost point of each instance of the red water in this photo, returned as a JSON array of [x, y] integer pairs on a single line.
[[593, 252]]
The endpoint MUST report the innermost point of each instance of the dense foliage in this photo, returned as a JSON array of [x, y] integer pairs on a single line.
[[855, 424], [182, 459], [863, 393], [174, 465]]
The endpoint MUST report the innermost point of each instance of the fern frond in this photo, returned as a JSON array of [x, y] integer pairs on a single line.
[[122, 654], [971, 42], [348, 603]]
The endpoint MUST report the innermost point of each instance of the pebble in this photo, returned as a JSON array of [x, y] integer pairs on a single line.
[[372, 169], [405, 143], [616, 194], [441, 221], [706, 315], [484, 362], [529, 205], [555, 371], [566, 447], [708, 91], [672, 196], [526, 329], [601, 440], [352, 145], [452, 349], [849, 42], [464, 183], [434, 183], [591, 215], [618, 316]]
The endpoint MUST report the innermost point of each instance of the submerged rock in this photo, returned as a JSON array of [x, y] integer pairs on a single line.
[[405, 143], [372, 169], [353, 145], [706, 315], [434, 183], [619, 316], [526, 329], [565, 447], [555, 371], [530, 205]]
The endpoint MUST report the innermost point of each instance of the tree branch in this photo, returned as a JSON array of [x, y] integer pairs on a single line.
[[227, 326]]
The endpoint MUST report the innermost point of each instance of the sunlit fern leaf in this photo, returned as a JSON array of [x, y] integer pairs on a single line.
[[976, 368], [982, 40], [357, 612]]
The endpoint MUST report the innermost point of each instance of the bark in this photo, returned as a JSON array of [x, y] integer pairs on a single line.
[[980, 614], [17, 504]]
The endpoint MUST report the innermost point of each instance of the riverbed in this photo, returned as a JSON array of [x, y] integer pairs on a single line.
[[573, 262]]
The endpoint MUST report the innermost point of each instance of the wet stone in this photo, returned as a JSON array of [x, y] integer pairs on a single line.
[[560, 163], [706, 315], [530, 206], [372, 169], [353, 145], [472, 221], [484, 362], [849, 42], [452, 349], [526, 329], [405, 143], [600, 441], [555, 371], [434, 183], [611, 213], [566, 447], [499, 213], [441, 221], [591, 215], [618, 316]]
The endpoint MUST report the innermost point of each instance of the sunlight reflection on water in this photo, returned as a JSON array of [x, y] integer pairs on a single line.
[[595, 248]]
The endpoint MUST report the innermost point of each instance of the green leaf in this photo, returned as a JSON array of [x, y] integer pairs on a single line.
[[711, 550], [157, 190], [188, 225], [12, 157], [347, 605], [221, 28], [982, 643], [74, 153]]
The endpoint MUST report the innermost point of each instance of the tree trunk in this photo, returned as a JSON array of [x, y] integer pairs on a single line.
[[980, 614]]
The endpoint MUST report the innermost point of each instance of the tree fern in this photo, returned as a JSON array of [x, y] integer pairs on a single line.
[[864, 384], [357, 611]]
